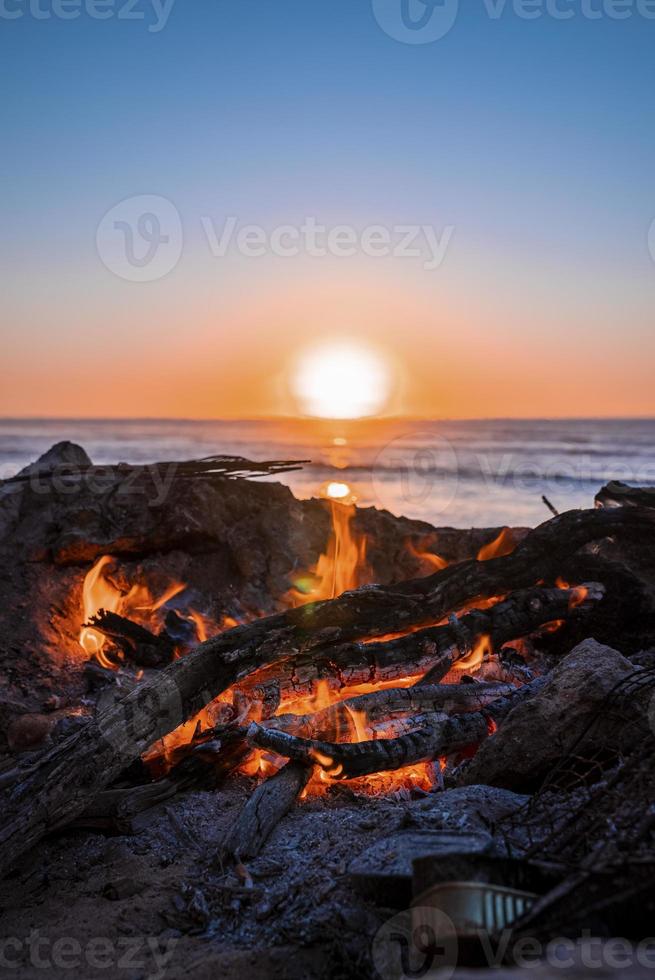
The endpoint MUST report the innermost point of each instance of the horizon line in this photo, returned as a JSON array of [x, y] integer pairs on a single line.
[[327, 421]]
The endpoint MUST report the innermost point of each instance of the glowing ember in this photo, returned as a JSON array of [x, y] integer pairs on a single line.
[[578, 595]]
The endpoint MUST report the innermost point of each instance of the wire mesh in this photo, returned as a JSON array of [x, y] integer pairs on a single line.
[[592, 823]]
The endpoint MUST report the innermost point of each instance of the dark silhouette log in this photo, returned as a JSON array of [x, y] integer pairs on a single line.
[[617, 494]]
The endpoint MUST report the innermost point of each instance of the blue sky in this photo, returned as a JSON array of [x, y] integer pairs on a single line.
[[535, 139]]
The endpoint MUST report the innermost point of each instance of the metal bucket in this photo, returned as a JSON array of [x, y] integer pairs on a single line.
[[472, 907]]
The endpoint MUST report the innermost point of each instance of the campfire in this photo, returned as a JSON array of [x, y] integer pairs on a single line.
[[317, 707], [351, 676], [127, 624]]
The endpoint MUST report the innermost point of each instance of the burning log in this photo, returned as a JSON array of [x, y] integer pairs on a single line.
[[221, 751], [434, 650], [433, 736], [140, 645], [522, 613], [376, 714], [436, 735], [64, 782], [388, 704], [272, 799]]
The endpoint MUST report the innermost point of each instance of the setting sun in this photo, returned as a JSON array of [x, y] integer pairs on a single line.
[[341, 381]]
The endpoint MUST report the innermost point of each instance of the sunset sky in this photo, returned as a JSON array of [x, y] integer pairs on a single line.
[[532, 140]]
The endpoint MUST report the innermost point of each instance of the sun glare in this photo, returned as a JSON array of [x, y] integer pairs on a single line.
[[341, 381], [337, 491]]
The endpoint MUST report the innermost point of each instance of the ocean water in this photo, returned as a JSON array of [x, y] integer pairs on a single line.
[[456, 473]]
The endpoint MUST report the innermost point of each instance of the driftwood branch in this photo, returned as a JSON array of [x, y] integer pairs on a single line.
[[207, 468], [65, 781], [434, 736]]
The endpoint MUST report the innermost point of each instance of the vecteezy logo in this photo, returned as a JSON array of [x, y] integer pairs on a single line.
[[416, 474], [420, 944], [141, 238], [416, 21]]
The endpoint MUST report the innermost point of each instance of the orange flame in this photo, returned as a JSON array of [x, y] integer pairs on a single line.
[[419, 551], [504, 544], [579, 593], [358, 723], [99, 592], [578, 596], [483, 648], [343, 565]]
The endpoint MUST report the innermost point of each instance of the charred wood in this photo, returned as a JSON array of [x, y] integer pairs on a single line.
[[522, 613], [137, 643], [272, 799], [389, 704], [436, 734], [430, 652], [113, 809]]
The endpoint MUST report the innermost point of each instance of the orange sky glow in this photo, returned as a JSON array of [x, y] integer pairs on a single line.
[[156, 354]]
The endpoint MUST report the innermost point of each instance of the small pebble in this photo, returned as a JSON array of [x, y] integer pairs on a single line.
[[28, 731]]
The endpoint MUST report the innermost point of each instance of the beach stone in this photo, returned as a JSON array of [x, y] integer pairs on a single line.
[[384, 870], [62, 454], [466, 809], [28, 731], [459, 821], [540, 732]]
